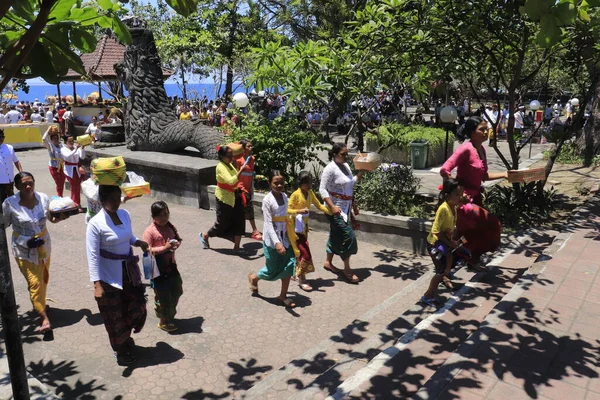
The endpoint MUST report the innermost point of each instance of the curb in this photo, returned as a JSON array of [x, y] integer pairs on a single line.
[[452, 367]]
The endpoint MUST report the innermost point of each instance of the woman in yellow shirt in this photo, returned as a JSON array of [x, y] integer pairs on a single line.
[[230, 223], [298, 206], [440, 240]]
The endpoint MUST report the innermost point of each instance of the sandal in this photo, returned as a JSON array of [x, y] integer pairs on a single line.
[[168, 327], [351, 278], [287, 303], [332, 269], [256, 235], [305, 286], [430, 302], [204, 242], [253, 286]]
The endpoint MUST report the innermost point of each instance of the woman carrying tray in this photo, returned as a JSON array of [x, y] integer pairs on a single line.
[[27, 211], [57, 164], [337, 190], [72, 154], [247, 180], [480, 229], [230, 223], [114, 270]]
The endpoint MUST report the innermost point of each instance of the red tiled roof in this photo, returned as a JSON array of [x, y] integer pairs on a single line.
[[99, 64]]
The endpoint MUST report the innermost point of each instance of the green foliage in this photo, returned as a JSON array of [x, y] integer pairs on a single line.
[[278, 144], [390, 190], [397, 134], [524, 206], [46, 38], [569, 154]]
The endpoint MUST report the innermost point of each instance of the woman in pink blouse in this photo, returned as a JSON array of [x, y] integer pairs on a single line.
[[470, 160], [480, 229]]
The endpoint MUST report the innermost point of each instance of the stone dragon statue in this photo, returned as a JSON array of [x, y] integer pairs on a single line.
[[151, 123]]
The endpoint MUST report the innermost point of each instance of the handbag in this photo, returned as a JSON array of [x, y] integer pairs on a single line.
[[150, 267]]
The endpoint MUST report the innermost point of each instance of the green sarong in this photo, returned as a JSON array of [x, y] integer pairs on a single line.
[[342, 240], [277, 266]]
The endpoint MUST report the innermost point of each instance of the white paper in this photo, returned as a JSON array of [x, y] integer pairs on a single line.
[[344, 216], [299, 225]]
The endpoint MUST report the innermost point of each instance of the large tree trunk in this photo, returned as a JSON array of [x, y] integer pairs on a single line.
[[589, 142]]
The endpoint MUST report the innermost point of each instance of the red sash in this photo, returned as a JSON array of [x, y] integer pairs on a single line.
[[353, 220], [232, 189]]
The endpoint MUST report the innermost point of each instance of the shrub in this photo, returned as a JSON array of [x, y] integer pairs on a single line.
[[278, 144], [401, 135], [391, 190], [525, 206], [569, 154]]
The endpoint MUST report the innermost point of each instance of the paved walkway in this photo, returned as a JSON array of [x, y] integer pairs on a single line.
[[540, 339], [232, 345]]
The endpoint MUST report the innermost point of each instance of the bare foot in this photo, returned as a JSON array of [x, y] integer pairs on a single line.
[[330, 267]]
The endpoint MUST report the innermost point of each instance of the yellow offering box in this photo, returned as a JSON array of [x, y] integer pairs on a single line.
[[134, 191]]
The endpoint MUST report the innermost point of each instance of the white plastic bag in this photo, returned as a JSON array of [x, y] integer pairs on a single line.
[[150, 268], [134, 180]]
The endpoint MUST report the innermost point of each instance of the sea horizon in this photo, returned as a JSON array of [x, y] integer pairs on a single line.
[[83, 89]]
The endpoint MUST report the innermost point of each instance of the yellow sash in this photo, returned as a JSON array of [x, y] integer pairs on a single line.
[[291, 234], [41, 249], [61, 163]]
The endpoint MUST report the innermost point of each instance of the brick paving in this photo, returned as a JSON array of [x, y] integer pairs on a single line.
[[541, 341], [232, 345], [228, 340]]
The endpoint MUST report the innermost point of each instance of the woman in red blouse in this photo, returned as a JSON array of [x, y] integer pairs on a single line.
[[480, 228]]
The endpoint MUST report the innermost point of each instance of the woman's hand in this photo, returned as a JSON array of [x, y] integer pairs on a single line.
[[174, 244], [142, 245], [98, 290], [360, 174], [304, 211], [280, 249], [335, 210]]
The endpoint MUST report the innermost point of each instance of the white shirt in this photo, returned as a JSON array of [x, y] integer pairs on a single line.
[[53, 151], [72, 156], [93, 129], [8, 158], [102, 233], [491, 116], [335, 181], [36, 117], [519, 120], [2, 119], [274, 232], [13, 117], [27, 223], [49, 116]]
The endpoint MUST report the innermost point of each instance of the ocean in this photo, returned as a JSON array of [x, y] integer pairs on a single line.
[[194, 90]]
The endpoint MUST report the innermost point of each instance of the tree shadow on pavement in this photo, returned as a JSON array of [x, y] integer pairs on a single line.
[[404, 271], [246, 373], [56, 374], [520, 351], [163, 353]]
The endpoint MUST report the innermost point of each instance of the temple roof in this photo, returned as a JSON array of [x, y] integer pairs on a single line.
[[99, 64]]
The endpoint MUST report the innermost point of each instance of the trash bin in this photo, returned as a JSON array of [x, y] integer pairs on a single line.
[[418, 153]]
